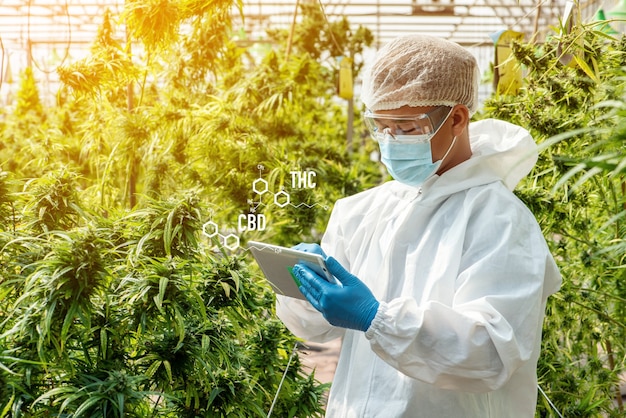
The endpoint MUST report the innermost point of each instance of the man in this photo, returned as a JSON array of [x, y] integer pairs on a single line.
[[444, 272]]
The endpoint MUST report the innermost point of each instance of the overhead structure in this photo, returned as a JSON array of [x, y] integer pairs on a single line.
[[467, 22], [43, 34]]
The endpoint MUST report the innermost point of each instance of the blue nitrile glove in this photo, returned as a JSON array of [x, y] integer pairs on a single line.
[[349, 305], [310, 248]]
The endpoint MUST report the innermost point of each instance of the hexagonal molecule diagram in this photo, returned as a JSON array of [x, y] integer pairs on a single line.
[[299, 180], [281, 199], [253, 221], [211, 230], [260, 186]]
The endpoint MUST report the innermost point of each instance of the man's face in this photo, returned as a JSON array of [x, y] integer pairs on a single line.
[[442, 140]]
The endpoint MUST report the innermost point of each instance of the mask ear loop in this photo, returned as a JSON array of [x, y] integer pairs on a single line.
[[449, 149], [453, 139]]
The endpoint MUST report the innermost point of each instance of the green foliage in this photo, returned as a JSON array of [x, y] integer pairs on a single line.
[[571, 103], [135, 316], [109, 66], [112, 301], [54, 200], [28, 101], [6, 199]]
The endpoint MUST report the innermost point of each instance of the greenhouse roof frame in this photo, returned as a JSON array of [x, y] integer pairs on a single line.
[[45, 34], [467, 22]]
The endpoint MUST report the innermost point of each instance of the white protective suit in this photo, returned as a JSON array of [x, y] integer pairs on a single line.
[[462, 273]]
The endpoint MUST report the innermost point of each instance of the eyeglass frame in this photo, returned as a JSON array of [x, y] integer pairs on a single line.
[[369, 117]]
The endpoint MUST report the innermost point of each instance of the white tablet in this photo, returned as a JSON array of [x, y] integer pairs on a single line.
[[276, 262]]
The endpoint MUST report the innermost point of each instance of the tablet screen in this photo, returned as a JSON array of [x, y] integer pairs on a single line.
[[276, 262]]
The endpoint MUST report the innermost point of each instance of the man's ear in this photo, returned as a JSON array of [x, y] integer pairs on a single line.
[[460, 119]]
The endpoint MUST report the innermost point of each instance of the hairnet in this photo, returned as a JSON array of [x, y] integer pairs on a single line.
[[418, 70]]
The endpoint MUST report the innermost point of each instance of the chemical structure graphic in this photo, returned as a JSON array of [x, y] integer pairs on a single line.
[[253, 221], [211, 230], [299, 180]]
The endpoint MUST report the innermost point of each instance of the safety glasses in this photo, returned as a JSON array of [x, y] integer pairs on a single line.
[[406, 128]]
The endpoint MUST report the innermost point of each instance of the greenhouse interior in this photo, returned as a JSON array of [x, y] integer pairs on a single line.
[[148, 147]]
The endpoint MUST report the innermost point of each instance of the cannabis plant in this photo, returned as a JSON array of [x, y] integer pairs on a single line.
[[135, 315], [115, 300]]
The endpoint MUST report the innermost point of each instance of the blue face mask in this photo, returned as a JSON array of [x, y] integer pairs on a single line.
[[410, 163]]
